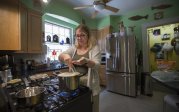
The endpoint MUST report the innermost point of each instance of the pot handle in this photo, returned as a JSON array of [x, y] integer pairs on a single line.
[[80, 75]]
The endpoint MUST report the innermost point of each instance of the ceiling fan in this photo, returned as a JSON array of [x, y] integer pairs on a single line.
[[99, 5], [40, 3]]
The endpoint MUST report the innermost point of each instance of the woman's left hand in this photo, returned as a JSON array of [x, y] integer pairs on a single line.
[[81, 61]]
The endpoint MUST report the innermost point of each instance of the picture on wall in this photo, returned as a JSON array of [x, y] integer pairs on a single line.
[[156, 32], [166, 36]]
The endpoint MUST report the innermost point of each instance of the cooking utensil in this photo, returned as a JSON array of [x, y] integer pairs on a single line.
[[30, 96], [70, 79]]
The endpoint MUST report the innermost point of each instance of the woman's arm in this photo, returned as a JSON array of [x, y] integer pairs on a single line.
[[66, 57], [95, 60]]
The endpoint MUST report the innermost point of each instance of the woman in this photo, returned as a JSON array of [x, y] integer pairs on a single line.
[[85, 56]]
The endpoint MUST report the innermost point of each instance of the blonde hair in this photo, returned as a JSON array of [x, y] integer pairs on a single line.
[[91, 40]]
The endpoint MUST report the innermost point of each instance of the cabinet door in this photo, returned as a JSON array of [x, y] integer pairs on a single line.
[[102, 34], [102, 75], [9, 25], [23, 25], [34, 32], [93, 33]]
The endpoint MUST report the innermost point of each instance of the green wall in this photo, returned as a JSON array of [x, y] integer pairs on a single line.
[[168, 13], [101, 23], [61, 9], [58, 21]]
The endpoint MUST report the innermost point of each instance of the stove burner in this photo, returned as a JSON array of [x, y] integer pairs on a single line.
[[55, 98], [66, 95], [49, 104]]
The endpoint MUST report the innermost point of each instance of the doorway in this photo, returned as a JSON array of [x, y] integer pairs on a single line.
[[146, 40], [162, 54]]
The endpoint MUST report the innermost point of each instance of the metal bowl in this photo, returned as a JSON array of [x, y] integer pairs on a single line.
[[31, 95]]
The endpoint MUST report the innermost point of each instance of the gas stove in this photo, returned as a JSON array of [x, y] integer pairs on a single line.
[[56, 97]]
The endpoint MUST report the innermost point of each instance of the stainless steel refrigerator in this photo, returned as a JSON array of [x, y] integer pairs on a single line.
[[121, 64]]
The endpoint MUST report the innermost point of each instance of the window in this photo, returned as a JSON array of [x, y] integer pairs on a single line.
[[58, 38]]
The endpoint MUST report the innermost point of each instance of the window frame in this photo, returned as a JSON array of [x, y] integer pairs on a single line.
[[62, 47]]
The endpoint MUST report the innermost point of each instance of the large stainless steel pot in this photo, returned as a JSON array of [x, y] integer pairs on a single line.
[[30, 96], [70, 79]]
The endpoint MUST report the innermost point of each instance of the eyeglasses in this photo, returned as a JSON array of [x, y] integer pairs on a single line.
[[81, 35]]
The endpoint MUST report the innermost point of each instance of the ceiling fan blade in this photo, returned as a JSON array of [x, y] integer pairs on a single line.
[[82, 7], [113, 9], [106, 1], [94, 14]]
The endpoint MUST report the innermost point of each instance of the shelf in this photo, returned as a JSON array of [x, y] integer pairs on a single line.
[[56, 43]]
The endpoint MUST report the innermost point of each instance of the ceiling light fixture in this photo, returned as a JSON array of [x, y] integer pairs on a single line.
[[98, 5], [45, 1]]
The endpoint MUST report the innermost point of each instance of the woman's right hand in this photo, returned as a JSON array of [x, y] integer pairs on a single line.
[[68, 60]]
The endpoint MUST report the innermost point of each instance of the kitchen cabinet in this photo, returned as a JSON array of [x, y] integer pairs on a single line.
[[34, 32], [102, 75], [21, 28], [9, 25], [93, 33], [31, 30], [102, 34]]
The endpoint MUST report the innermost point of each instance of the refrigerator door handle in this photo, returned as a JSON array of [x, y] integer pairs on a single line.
[[126, 75], [123, 75]]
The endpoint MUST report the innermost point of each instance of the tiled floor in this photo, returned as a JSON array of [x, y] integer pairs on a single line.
[[111, 102]]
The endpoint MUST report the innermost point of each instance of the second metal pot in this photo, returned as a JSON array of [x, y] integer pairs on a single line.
[[30, 96]]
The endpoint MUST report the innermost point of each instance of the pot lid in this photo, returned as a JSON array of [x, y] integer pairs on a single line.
[[68, 74]]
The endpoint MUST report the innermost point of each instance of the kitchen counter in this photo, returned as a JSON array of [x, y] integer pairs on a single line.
[[56, 67], [168, 78]]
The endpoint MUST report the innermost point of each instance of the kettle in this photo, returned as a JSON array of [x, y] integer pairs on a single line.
[[6, 75]]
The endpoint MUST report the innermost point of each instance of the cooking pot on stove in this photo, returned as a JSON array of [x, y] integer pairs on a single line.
[[70, 80], [30, 96]]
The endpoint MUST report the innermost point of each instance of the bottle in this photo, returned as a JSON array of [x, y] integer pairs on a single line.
[[9, 74], [48, 62]]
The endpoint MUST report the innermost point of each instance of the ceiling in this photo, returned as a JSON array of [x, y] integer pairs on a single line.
[[125, 6]]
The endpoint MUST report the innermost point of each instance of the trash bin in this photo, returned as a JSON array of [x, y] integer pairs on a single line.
[[146, 84]]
